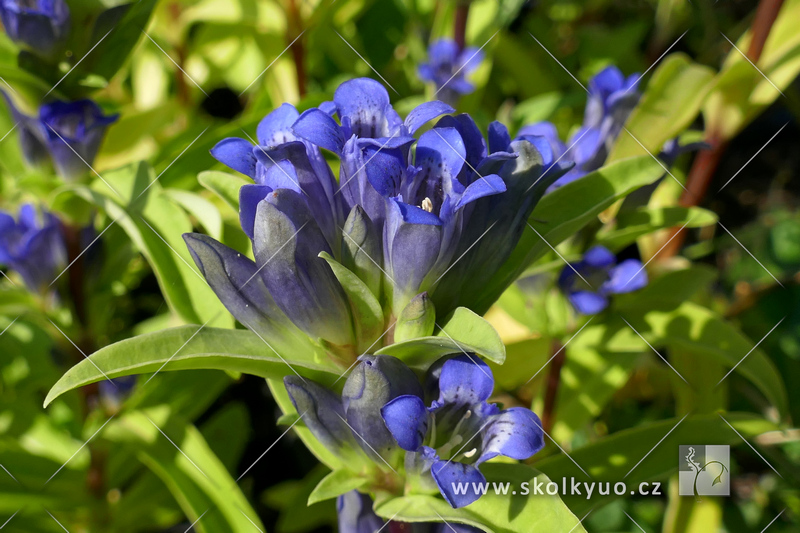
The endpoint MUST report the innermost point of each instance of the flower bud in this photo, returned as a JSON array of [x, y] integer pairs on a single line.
[[375, 381], [417, 319]]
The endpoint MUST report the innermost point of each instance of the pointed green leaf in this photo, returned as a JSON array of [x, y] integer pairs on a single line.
[[632, 225], [335, 484], [224, 185], [195, 347]]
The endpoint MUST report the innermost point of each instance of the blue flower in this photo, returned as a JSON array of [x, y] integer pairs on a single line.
[[339, 423], [356, 516], [33, 246], [448, 66], [69, 133], [612, 98], [42, 25], [460, 430], [603, 277], [403, 224]]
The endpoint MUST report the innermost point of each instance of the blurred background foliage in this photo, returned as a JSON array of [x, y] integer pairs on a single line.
[[185, 74]]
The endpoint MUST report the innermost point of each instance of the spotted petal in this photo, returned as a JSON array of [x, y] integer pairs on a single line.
[[515, 433], [276, 128], [464, 380], [457, 482]]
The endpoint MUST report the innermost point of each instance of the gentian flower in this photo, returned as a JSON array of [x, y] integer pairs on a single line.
[[81, 125], [460, 430], [612, 98], [397, 221], [604, 276], [355, 417], [447, 68], [60, 128], [356, 516], [42, 25], [33, 246]]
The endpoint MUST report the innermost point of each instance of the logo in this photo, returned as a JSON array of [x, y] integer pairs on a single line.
[[704, 471]]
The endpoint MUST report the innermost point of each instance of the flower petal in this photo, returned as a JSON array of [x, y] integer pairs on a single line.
[[406, 417], [515, 433], [465, 380], [587, 302], [426, 112], [628, 276], [441, 154], [322, 412], [483, 186], [319, 128], [356, 514], [499, 139], [457, 482], [237, 154], [363, 103], [275, 129], [598, 257], [249, 198]]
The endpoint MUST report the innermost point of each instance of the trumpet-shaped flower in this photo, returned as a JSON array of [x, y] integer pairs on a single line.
[[33, 246], [460, 430], [69, 133], [600, 276], [42, 25]]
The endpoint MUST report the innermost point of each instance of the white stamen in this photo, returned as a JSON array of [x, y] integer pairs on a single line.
[[427, 205], [470, 453]]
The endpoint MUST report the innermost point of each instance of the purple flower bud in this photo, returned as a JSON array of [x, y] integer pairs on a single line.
[[42, 25], [33, 246]]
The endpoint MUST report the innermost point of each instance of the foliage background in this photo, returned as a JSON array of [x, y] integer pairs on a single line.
[[201, 71]]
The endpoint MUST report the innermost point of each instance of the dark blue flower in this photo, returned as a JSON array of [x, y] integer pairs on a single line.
[[461, 430], [409, 218], [448, 66], [601, 277], [33, 246], [611, 100], [72, 133], [42, 25], [69, 133]]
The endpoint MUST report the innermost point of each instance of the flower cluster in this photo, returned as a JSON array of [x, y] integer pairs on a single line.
[[612, 97], [447, 68], [33, 246], [447, 429], [597, 276], [406, 216], [67, 133], [41, 25]]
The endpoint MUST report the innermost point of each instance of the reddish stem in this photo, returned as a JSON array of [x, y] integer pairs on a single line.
[[706, 162], [295, 29], [553, 382], [460, 25]]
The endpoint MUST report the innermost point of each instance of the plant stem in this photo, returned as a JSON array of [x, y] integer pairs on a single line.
[[294, 30], [553, 382], [460, 25], [706, 162]]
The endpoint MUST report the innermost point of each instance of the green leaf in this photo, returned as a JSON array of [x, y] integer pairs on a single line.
[[614, 458], [335, 484], [110, 54], [464, 331], [668, 106], [193, 347], [367, 312], [696, 330], [523, 359], [634, 224], [493, 512], [204, 211], [224, 185], [563, 212], [185, 463]]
